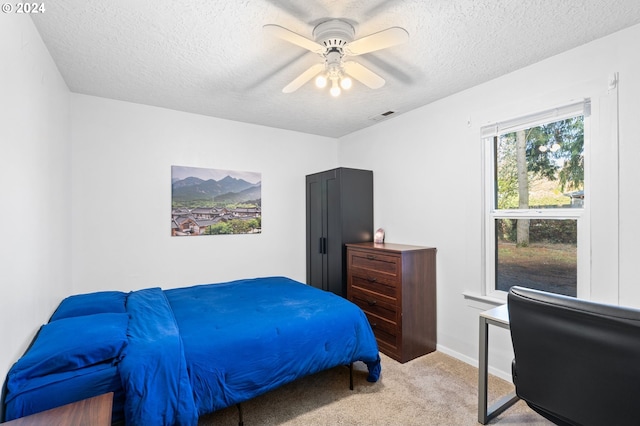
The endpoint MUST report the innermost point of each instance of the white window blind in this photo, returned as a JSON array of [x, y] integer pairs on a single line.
[[582, 107]]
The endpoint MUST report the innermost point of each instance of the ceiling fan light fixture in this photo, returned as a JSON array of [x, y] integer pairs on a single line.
[[321, 81], [335, 89], [346, 83]]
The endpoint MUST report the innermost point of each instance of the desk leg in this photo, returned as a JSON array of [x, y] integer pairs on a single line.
[[486, 414], [482, 372]]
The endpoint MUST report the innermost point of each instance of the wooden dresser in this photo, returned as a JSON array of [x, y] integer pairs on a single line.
[[395, 286]]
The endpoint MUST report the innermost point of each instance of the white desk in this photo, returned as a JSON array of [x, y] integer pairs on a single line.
[[498, 316]]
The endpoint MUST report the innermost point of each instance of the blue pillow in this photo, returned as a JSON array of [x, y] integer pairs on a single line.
[[91, 303], [72, 343]]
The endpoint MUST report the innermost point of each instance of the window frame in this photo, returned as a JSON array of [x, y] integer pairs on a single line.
[[489, 135]]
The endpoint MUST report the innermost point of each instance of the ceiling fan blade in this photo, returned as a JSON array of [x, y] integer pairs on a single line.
[[291, 37], [363, 75], [303, 78], [377, 41]]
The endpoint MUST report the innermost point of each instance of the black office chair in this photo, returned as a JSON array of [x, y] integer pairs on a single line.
[[576, 362]]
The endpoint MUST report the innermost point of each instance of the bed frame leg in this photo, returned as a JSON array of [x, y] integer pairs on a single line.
[[351, 376], [240, 417]]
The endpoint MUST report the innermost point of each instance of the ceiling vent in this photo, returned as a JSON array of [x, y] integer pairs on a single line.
[[382, 116]]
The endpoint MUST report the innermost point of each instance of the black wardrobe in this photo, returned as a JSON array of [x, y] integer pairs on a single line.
[[339, 211]]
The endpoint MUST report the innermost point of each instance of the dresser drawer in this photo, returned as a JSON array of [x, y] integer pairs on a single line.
[[375, 262], [376, 283], [386, 332], [374, 303]]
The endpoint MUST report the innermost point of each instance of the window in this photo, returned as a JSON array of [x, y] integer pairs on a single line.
[[535, 201]]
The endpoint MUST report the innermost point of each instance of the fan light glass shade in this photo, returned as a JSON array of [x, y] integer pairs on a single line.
[[335, 89], [346, 83], [336, 75], [321, 81]]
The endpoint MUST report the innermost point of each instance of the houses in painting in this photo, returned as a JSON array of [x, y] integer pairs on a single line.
[[199, 220]]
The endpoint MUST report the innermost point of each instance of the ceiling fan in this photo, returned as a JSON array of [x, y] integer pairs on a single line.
[[333, 41]]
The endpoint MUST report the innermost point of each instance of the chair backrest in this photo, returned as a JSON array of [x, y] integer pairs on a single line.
[[576, 361]]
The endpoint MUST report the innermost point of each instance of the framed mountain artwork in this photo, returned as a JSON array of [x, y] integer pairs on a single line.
[[215, 202]]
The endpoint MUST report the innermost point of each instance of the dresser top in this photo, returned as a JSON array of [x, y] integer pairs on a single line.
[[388, 246]]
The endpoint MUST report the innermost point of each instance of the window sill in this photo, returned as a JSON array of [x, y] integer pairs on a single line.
[[480, 301]]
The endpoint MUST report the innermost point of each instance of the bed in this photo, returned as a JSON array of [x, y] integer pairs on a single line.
[[171, 356]]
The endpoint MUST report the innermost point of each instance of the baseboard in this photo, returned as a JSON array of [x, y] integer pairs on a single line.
[[474, 362]]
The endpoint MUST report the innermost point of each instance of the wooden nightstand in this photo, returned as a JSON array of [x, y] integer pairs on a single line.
[[94, 411]]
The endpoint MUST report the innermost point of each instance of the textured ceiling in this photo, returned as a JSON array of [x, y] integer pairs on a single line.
[[212, 57]]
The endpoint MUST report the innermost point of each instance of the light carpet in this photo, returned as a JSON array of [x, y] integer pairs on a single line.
[[435, 389]]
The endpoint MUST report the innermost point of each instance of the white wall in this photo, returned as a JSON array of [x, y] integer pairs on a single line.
[[427, 180], [35, 188], [122, 158]]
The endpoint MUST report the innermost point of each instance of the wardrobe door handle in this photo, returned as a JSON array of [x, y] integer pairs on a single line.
[[322, 245]]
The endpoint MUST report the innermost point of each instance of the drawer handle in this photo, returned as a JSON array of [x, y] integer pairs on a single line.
[[374, 325], [371, 257], [372, 279], [372, 302]]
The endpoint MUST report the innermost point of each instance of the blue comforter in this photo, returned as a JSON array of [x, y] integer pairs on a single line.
[[171, 356], [195, 350], [153, 370]]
